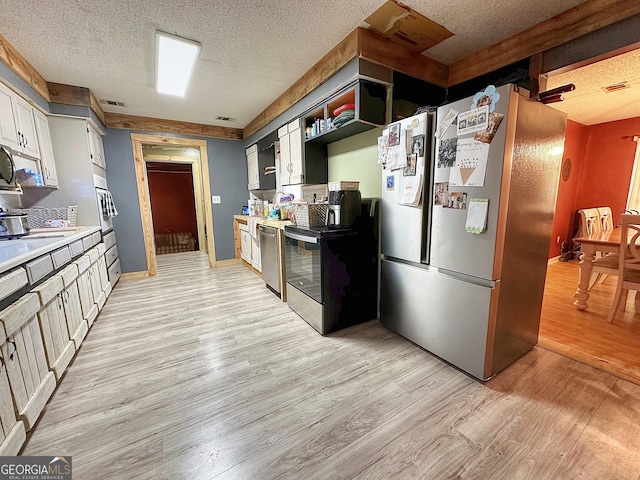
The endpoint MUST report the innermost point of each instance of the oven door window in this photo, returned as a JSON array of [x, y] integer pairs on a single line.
[[303, 267]]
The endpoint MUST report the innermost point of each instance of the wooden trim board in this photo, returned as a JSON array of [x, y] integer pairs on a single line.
[[149, 124], [377, 49], [74, 95], [573, 23], [20, 65], [134, 275]]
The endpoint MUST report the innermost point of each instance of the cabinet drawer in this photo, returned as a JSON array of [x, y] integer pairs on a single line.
[[61, 257], [93, 255], [83, 263], [12, 282], [114, 272], [111, 255], [109, 240], [101, 249], [76, 248], [69, 274], [87, 242], [97, 237], [243, 227], [49, 289], [39, 268]]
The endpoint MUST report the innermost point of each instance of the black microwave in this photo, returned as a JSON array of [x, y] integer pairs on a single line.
[[7, 169]]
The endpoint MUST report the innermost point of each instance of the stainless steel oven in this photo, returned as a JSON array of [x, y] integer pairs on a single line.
[[331, 276]]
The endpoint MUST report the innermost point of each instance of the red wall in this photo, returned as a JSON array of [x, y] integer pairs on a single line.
[[574, 148], [172, 202], [605, 154], [608, 165]]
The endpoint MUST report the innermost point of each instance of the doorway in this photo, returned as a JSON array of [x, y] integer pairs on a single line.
[[179, 153], [597, 165]]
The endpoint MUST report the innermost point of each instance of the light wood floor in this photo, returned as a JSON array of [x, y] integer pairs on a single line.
[[201, 374], [585, 335]]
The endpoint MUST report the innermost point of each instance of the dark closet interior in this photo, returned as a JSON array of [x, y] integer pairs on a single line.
[[173, 207]]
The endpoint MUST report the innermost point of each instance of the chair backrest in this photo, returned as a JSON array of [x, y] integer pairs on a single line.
[[606, 218], [590, 218], [629, 244]]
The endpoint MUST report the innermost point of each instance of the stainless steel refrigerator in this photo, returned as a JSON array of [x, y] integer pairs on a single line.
[[463, 272]]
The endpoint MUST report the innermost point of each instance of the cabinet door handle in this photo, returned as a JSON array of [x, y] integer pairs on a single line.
[[25, 140], [15, 348]]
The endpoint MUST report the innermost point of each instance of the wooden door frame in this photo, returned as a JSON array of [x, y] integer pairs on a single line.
[[202, 193]]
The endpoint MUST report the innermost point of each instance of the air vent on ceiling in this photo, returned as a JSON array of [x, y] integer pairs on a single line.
[[615, 87], [113, 103], [222, 118]]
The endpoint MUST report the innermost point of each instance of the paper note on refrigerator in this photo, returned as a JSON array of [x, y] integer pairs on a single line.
[[446, 123], [477, 215], [412, 190], [471, 163]]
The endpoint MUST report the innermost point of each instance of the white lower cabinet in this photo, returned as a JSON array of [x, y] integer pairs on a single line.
[[245, 243], [76, 324], [12, 432], [101, 267], [25, 359], [58, 345], [256, 261], [89, 307], [99, 296]]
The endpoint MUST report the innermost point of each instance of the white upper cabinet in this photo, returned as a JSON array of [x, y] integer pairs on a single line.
[[253, 172], [17, 124], [8, 125], [47, 162], [27, 128], [96, 147]]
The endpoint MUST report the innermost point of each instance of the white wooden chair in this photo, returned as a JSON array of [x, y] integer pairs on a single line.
[[606, 219], [591, 224], [589, 221], [628, 263]]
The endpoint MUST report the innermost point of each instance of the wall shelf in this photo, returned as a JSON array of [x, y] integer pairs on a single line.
[[370, 111]]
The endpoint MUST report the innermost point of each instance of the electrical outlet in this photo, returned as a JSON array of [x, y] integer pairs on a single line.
[[216, 199]]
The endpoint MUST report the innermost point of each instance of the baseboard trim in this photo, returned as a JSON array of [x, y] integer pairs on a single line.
[[134, 275], [231, 261]]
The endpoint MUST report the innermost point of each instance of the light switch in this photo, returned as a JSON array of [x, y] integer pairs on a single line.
[[215, 198]]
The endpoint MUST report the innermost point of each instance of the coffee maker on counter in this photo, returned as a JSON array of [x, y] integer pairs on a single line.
[[345, 203]]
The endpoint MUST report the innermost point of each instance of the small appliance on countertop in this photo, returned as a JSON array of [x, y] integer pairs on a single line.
[[13, 224]]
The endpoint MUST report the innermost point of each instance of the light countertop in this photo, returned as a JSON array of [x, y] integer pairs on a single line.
[[21, 250], [270, 222]]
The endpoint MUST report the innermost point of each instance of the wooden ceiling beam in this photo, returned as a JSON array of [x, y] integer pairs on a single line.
[[149, 124], [378, 49], [74, 95], [575, 22], [23, 68]]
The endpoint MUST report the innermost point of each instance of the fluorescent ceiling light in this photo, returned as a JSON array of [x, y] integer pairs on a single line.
[[175, 59]]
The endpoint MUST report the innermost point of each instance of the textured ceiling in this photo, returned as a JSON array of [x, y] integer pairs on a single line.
[[589, 104], [252, 50]]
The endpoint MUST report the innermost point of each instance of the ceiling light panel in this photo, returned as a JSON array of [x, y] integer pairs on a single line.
[[175, 60]]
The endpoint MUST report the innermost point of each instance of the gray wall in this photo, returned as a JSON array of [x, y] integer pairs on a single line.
[[228, 179]]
